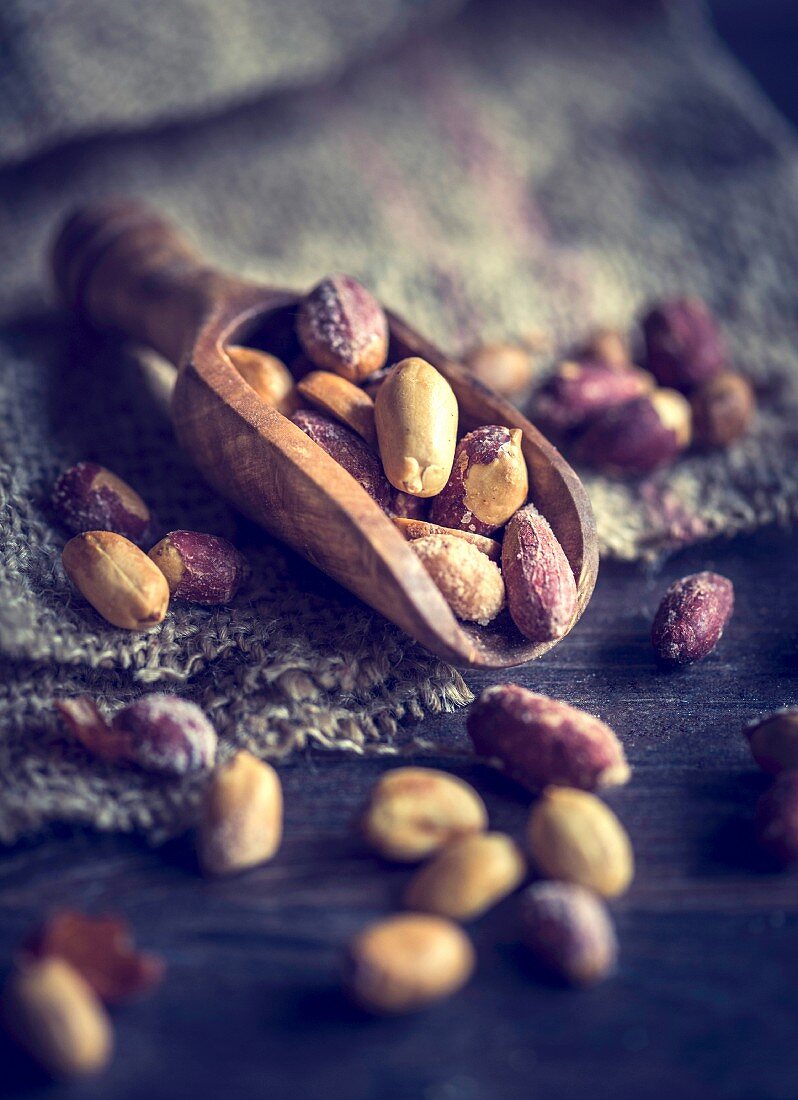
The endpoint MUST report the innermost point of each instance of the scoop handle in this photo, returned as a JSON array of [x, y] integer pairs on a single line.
[[124, 268]]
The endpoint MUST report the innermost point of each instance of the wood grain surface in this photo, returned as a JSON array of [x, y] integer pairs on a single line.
[[705, 1003]]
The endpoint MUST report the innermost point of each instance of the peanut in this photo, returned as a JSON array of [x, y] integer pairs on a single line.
[[342, 400], [575, 837], [468, 580], [683, 342], [402, 963], [413, 529], [691, 618], [541, 589], [117, 579], [267, 375], [87, 497], [416, 417], [569, 931], [415, 811], [342, 328], [541, 742], [488, 482], [198, 567], [774, 741], [467, 877], [54, 1014], [241, 824]]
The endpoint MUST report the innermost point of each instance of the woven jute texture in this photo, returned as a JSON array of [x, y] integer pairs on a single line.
[[487, 170]]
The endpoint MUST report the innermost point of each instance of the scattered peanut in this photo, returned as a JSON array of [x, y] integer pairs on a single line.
[[723, 408], [117, 579], [774, 741], [575, 837], [542, 742], [777, 820], [242, 816], [198, 567], [467, 877], [57, 1018], [569, 931], [691, 618], [413, 812], [87, 497], [402, 963], [683, 343]]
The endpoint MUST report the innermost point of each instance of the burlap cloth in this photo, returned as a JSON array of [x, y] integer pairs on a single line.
[[488, 170]]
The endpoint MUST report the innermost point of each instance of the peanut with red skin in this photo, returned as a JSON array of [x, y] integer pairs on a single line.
[[87, 497], [569, 931], [683, 343], [342, 328], [540, 584], [540, 741], [488, 482], [638, 436], [348, 450], [691, 617]]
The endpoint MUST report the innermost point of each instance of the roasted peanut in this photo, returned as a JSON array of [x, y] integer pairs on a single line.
[[684, 345], [57, 1018], [267, 375], [575, 837], [414, 529], [723, 408], [198, 567], [342, 328], [488, 482], [415, 811], [467, 877], [402, 963], [341, 399], [348, 450], [506, 368], [638, 436], [569, 931], [540, 584], [87, 497], [117, 579], [416, 417], [542, 742], [241, 823], [468, 580], [579, 391], [774, 741], [691, 618]]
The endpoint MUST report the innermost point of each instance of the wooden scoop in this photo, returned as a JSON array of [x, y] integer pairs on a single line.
[[124, 268]]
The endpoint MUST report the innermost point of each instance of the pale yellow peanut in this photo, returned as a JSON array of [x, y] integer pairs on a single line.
[[241, 823], [575, 837], [415, 811], [416, 419], [342, 399], [57, 1018], [467, 877], [404, 962], [117, 579], [267, 375]]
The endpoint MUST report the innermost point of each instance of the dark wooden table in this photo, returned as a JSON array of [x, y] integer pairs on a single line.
[[705, 1003]]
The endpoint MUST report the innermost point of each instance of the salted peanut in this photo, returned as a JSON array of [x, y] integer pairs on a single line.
[[569, 931], [488, 482], [774, 741], [348, 450], [267, 375], [691, 618], [413, 529], [414, 812], [342, 328], [541, 588], [57, 1018], [241, 823], [607, 346], [579, 391], [723, 408], [541, 742], [467, 877], [87, 497], [575, 837], [506, 368], [640, 435], [683, 342], [468, 580], [416, 417], [341, 399], [404, 962], [159, 732], [117, 579], [200, 568]]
